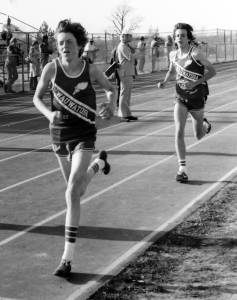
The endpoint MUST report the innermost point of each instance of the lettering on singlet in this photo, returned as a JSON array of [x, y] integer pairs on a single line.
[[74, 106], [186, 73]]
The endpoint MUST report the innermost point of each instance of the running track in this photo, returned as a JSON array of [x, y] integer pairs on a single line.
[[121, 213]]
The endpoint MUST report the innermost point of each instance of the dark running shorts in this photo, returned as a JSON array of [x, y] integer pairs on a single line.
[[196, 104], [66, 149]]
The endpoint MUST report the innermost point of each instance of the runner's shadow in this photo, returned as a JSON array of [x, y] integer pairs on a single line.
[[201, 182], [83, 278], [18, 149], [86, 232]]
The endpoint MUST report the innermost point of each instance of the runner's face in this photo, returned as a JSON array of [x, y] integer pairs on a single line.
[[181, 38], [67, 46]]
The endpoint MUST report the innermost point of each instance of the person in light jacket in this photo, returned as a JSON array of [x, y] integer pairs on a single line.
[[126, 56]]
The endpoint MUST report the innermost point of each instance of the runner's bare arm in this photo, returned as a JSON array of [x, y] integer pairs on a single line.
[[209, 69], [99, 77], [46, 77]]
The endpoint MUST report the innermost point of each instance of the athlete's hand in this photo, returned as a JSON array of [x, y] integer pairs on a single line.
[[55, 117], [160, 85], [105, 111]]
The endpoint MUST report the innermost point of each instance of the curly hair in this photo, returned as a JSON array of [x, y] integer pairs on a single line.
[[75, 29], [187, 27]]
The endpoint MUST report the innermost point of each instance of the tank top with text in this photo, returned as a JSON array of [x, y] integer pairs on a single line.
[[189, 69], [75, 98]]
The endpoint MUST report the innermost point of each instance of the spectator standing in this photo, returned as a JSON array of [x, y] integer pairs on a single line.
[[45, 51], [168, 48], [34, 57], [90, 51], [12, 61], [154, 53], [126, 56], [141, 47]]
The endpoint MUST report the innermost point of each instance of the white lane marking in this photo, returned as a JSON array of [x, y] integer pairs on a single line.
[[22, 121], [21, 233], [100, 96], [21, 135], [112, 148], [112, 126], [87, 289], [102, 191], [7, 188], [23, 154]]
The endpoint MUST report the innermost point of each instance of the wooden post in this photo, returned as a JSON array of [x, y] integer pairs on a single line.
[[106, 48]]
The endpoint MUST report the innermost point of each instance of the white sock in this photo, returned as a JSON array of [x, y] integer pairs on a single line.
[[182, 169], [68, 251], [97, 164], [182, 166], [205, 126], [70, 242]]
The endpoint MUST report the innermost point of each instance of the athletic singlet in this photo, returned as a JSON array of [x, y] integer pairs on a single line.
[[75, 97], [189, 69]]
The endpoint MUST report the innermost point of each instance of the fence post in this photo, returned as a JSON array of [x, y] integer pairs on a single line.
[[22, 74], [106, 48], [28, 49], [3, 76], [216, 53]]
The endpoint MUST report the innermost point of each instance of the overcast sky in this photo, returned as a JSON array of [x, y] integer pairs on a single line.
[[95, 15]]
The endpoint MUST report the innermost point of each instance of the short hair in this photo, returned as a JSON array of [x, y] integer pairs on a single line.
[[75, 29], [186, 27]]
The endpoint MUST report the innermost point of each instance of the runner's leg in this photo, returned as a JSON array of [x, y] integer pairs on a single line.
[[199, 127], [180, 118]]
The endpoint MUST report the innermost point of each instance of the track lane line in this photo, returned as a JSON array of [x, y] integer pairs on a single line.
[[87, 199], [116, 147], [224, 76], [112, 126], [115, 267]]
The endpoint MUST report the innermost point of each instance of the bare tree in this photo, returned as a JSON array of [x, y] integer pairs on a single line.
[[121, 19]]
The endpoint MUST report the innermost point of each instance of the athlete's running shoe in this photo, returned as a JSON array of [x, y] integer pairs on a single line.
[[208, 125], [103, 155], [182, 177], [64, 269]]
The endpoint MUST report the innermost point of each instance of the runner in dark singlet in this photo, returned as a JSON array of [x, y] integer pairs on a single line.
[[72, 123], [192, 71]]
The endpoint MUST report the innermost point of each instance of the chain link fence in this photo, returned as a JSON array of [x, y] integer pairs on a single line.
[[218, 45]]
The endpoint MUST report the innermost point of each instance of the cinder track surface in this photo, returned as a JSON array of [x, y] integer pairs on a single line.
[[121, 213]]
